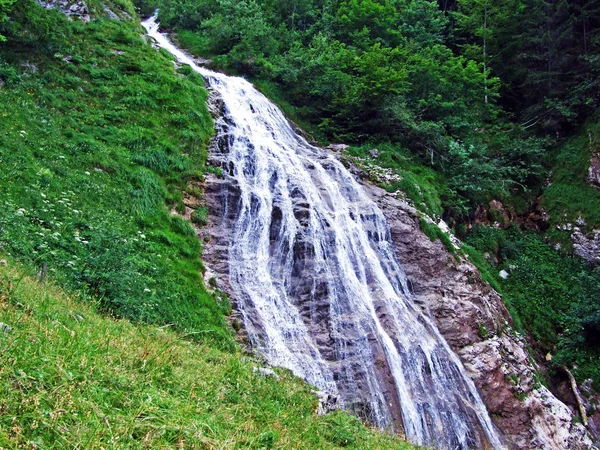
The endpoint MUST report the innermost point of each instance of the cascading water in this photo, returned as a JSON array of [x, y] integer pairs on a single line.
[[312, 268]]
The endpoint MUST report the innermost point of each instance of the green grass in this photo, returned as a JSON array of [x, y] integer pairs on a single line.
[[72, 378], [96, 148]]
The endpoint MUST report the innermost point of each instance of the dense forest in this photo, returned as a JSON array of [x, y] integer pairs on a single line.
[[474, 103]]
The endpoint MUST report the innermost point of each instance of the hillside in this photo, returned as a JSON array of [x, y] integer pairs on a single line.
[[485, 120], [73, 378]]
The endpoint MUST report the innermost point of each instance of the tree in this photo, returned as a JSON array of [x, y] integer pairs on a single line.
[[5, 8]]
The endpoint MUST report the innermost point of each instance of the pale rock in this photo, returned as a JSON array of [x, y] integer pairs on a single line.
[[327, 402], [70, 8], [454, 295], [460, 301], [503, 274], [337, 147], [587, 246]]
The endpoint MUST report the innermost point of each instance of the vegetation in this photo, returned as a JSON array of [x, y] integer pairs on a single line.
[[73, 378], [466, 101], [444, 82], [552, 296], [570, 198], [100, 137]]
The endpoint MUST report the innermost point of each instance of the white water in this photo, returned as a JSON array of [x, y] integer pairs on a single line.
[[285, 265]]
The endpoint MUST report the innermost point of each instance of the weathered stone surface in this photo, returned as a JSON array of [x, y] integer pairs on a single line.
[[337, 147], [474, 321], [587, 246], [71, 8], [469, 314], [594, 170]]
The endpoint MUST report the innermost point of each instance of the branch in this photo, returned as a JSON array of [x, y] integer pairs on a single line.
[[577, 395]]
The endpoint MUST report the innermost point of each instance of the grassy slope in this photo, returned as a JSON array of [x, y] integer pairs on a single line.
[[97, 145], [72, 378]]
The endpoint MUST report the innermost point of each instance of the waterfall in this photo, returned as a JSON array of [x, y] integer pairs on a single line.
[[312, 268]]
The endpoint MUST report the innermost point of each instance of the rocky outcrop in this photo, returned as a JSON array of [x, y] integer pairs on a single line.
[[594, 171], [77, 9], [587, 246], [474, 321], [468, 313]]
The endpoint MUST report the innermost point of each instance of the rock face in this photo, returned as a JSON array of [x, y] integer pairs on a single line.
[[594, 170], [71, 8], [587, 246], [468, 313], [474, 321]]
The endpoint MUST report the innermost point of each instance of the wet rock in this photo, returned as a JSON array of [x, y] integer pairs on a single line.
[[327, 402], [468, 313], [374, 152]]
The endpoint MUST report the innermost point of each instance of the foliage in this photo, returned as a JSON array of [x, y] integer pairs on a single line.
[[5, 8], [545, 52], [374, 71], [72, 378], [553, 296], [570, 197]]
